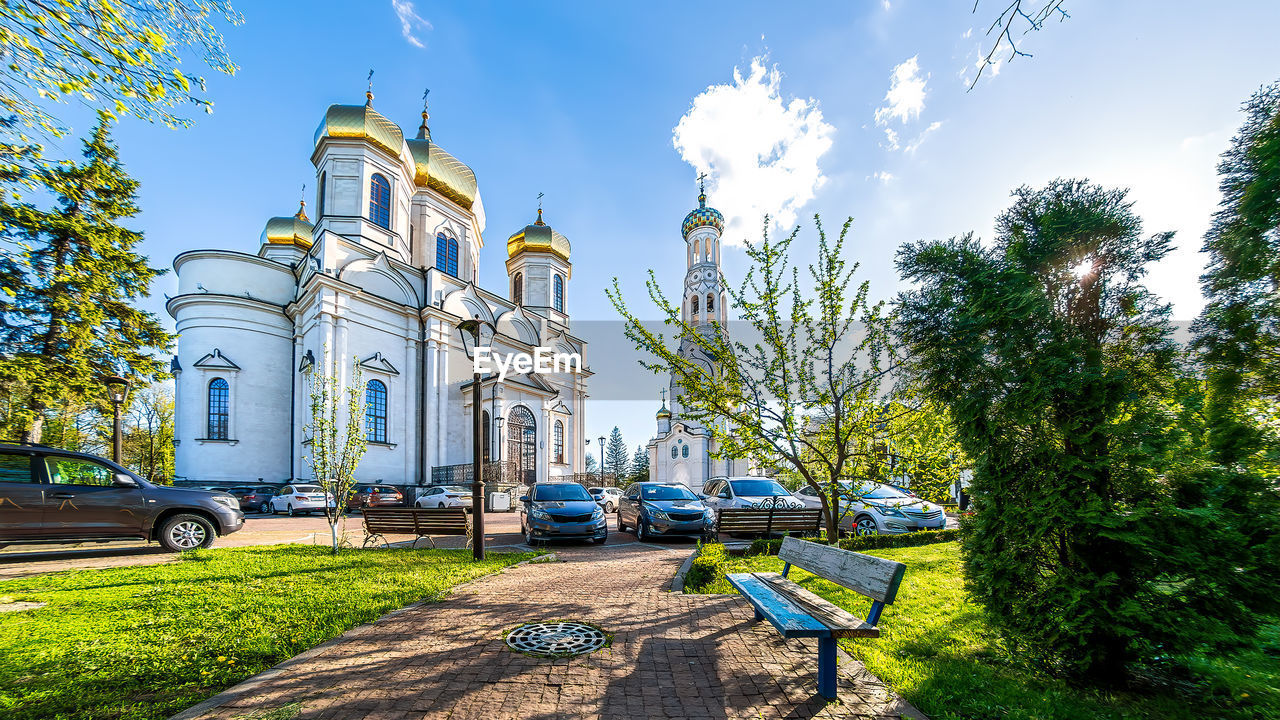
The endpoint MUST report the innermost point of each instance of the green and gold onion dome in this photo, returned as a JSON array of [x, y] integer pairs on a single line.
[[663, 412], [295, 230], [702, 216], [432, 166], [538, 237]]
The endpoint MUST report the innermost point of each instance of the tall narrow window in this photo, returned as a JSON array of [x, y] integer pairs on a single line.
[[453, 258], [558, 441], [693, 307], [517, 289], [446, 254], [485, 436], [684, 451], [557, 294], [320, 199], [219, 409], [375, 411], [711, 303], [380, 201]]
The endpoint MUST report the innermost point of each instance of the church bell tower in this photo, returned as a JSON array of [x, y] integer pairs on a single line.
[[704, 296]]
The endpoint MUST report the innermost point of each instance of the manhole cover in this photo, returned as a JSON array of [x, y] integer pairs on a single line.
[[556, 639]]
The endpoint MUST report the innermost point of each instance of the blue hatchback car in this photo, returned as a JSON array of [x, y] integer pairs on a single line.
[[561, 510]]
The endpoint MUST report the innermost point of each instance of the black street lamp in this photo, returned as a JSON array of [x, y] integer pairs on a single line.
[[476, 333], [117, 388], [601, 461]]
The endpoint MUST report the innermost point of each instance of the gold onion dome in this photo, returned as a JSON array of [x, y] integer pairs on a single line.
[[702, 216], [663, 412], [539, 237], [363, 122], [440, 171], [295, 230]]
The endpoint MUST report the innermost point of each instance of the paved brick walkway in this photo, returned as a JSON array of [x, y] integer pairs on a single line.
[[673, 656]]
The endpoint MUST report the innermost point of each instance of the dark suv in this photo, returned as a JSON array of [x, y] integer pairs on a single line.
[[49, 495]]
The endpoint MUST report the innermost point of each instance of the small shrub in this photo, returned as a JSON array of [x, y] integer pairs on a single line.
[[708, 564], [915, 539]]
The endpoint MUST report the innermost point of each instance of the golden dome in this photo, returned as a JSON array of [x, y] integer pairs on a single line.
[[442, 172], [294, 230], [361, 121], [538, 237]]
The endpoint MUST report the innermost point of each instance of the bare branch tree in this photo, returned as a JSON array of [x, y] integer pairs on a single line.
[[1003, 27]]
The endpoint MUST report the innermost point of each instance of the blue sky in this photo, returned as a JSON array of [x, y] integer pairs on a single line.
[[580, 101]]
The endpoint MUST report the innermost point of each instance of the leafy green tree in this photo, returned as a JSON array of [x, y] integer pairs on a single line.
[[921, 446], [640, 465], [617, 460], [148, 433], [806, 391], [70, 319], [1089, 540], [336, 435]]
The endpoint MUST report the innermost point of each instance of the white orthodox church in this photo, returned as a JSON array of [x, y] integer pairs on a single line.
[[682, 450], [383, 278]]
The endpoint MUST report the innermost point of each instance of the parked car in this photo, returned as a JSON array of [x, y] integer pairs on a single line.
[[561, 510], [375, 496], [255, 498], [664, 509], [49, 495], [301, 500], [445, 496], [744, 492], [606, 497], [871, 508]]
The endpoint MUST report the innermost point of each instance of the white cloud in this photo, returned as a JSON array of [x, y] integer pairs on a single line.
[[905, 98], [915, 144], [760, 152], [884, 4], [890, 139], [410, 21], [884, 177]]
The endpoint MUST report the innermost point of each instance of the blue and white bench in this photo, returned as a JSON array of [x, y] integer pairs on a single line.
[[798, 613]]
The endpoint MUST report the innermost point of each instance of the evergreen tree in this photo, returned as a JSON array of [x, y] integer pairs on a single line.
[[71, 320], [640, 465], [1058, 368], [616, 458]]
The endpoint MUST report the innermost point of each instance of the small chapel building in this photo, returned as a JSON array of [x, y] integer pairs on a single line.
[[382, 276]]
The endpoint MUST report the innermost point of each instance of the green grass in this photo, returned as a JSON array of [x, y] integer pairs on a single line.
[[147, 642], [937, 650]]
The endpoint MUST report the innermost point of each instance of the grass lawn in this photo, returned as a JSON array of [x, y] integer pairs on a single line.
[[147, 642], [938, 652]]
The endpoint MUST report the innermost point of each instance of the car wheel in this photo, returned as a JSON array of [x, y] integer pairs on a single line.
[[186, 532], [865, 525], [265, 508], [441, 505], [418, 504], [642, 530], [289, 510], [529, 539], [621, 525], [609, 507]]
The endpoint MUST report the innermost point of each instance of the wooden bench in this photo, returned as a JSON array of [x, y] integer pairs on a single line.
[[798, 613], [419, 522], [767, 521]]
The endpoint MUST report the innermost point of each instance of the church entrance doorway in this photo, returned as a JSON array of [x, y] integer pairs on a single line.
[[522, 444]]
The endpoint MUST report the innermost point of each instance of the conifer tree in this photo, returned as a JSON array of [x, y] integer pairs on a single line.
[[616, 458], [71, 318], [640, 465]]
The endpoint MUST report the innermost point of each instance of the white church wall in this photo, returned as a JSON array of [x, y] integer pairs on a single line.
[[225, 272]]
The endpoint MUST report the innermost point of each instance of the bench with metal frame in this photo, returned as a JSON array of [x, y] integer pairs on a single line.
[[798, 613], [769, 520], [419, 522]]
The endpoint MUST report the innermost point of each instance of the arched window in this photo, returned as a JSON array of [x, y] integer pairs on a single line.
[[446, 254], [697, 249], [375, 411], [517, 289], [557, 441], [557, 294], [711, 303], [693, 307], [684, 451], [522, 444], [219, 409], [380, 201], [675, 452], [485, 436]]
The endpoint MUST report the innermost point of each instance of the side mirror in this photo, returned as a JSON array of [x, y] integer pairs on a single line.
[[524, 498], [123, 480]]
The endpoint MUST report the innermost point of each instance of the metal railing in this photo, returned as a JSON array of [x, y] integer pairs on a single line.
[[494, 473]]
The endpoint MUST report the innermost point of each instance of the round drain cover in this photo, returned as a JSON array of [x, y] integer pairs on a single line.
[[556, 639]]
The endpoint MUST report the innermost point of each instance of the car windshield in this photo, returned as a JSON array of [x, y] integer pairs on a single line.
[[666, 492], [544, 493], [757, 488], [307, 488], [876, 491]]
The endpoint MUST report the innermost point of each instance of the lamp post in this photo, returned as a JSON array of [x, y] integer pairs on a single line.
[[476, 333], [117, 388], [601, 461]]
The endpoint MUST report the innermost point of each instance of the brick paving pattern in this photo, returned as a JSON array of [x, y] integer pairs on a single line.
[[672, 656]]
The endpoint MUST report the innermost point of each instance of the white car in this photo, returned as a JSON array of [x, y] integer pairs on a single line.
[[871, 508], [606, 497], [445, 496], [301, 500], [746, 492]]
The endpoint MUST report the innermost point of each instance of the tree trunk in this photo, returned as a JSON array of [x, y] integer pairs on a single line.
[[36, 430]]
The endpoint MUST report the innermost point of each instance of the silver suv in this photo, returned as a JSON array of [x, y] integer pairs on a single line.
[[871, 508], [746, 491]]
